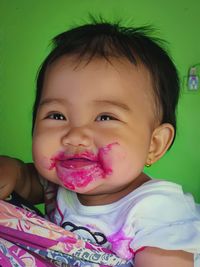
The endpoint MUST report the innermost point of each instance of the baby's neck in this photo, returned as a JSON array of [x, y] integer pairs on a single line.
[[108, 198]]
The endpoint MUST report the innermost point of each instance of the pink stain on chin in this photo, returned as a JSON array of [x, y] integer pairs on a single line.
[[78, 170]]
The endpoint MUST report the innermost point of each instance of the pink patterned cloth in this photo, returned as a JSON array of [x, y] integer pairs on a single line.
[[29, 240]]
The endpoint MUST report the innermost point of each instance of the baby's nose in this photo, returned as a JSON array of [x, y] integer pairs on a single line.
[[77, 136]]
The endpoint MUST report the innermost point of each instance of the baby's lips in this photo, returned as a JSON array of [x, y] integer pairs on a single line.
[[76, 163]]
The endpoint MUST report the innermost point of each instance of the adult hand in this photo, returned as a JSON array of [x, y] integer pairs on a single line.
[[11, 170]]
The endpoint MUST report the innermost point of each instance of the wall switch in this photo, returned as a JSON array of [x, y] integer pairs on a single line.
[[191, 83], [193, 79]]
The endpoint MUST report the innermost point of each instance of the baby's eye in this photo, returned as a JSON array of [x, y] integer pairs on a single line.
[[105, 117], [56, 116]]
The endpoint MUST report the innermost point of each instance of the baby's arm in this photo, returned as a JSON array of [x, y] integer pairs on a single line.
[[156, 257], [15, 175]]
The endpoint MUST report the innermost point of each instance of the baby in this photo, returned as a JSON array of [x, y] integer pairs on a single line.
[[105, 107]]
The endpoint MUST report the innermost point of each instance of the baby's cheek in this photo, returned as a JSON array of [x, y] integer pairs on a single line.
[[117, 159], [119, 155], [44, 167], [45, 163]]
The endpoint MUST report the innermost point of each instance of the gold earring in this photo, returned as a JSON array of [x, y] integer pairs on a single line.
[[148, 164]]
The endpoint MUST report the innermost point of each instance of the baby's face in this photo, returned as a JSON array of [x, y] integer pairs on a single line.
[[94, 125]]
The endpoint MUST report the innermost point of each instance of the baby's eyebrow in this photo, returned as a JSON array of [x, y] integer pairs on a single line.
[[102, 102], [47, 101], [113, 103]]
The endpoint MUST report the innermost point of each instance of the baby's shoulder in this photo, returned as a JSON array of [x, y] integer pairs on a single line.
[[158, 198], [162, 215]]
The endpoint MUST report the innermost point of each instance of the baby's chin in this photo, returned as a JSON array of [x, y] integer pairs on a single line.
[[93, 188]]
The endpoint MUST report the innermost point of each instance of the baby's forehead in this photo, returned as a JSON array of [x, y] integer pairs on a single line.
[[116, 66], [99, 72], [119, 64]]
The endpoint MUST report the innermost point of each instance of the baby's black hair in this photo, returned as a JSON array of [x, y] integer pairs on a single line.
[[107, 40]]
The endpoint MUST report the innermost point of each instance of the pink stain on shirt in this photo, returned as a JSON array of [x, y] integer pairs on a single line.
[[121, 245], [78, 170]]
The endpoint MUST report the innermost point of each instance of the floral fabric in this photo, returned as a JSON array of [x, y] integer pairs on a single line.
[[27, 239]]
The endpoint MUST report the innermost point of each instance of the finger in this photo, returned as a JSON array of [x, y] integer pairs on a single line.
[[6, 190]]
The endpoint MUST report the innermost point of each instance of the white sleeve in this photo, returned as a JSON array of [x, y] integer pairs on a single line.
[[168, 220]]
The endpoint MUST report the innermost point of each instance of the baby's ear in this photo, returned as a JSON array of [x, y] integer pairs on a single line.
[[161, 140]]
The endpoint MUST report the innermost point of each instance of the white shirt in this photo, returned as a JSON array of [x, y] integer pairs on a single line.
[[157, 214]]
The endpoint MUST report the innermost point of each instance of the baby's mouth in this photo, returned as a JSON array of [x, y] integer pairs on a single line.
[[79, 170], [76, 163]]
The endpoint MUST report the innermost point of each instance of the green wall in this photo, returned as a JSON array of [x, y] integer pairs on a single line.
[[26, 26]]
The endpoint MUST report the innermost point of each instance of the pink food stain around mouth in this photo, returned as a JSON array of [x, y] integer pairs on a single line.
[[80, 169]]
